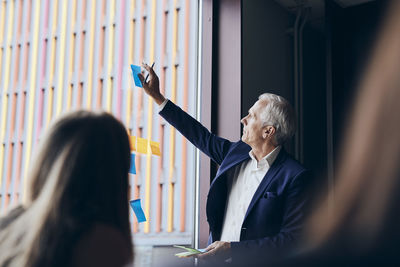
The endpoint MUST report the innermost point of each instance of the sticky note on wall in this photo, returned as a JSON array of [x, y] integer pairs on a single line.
[[142, 145], [155, 148], [132, 142], [135, 71], [133, 167], [137, 209]]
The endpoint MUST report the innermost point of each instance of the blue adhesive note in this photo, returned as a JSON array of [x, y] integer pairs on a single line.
[[133, 167], [135, 71], [137, 209]]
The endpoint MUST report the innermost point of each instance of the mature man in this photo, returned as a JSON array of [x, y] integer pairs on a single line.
[[256, 201]]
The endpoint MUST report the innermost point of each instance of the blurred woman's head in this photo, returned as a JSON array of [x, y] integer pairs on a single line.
[[79, 177], [364, 218], [94, 156]]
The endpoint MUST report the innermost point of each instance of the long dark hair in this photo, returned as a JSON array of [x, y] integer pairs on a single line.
[[79, 178]]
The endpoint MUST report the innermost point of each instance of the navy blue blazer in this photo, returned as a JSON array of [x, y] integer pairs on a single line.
[[275, 215]]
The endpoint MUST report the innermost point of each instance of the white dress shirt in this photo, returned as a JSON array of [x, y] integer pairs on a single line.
[[241, 188], [161, 107]]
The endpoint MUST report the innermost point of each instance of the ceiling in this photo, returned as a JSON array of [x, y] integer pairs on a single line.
[[347, 3], [317, 10]]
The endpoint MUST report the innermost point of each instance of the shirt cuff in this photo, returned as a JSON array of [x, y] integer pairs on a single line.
[[161, 107]]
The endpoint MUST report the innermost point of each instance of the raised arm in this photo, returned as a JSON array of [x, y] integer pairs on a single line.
[[213, 146]]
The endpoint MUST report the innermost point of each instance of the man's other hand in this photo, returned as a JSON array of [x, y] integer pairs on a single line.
[[152, 86], [218, 249]]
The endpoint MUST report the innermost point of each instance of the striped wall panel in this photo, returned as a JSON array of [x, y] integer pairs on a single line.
[[57, 56]]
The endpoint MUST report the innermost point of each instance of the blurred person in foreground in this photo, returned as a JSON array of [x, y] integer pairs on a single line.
[[257, 201], [76, 211], [362, 226]]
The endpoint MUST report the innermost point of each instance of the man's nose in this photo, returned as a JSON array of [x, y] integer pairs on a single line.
[[243, 120]]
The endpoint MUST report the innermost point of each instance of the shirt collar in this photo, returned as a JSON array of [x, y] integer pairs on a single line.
[[266, 161]]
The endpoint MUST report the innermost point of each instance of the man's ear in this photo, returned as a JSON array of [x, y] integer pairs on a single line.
[[269, 131]]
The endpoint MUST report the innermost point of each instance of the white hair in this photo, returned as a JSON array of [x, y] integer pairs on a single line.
[[278, 113]]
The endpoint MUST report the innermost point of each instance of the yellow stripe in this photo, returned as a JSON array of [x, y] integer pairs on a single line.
[[10, 21], [73, 13], [111, 39], [109, 94], [72, 43], [112, 10], [72, 54], [111, 48], [148, 165], [7, 46], [55, 12], [128, 108], [150, 122], [59, 87], [132, 41], [91, 51], [3, 118], [50, 105], [129, 91], [172, 131], [153, 31], [6, 81], [32, 86], [110, 58], [53, 58], [69, 96], [1, 60], [2, 22], [5, 99], [7, 70]]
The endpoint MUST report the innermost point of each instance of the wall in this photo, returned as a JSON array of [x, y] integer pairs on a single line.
[[267, 66], [227, 63], [353, 32], [267, 52]]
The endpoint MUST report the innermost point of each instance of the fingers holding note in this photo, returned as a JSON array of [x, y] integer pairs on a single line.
[[151, 85]]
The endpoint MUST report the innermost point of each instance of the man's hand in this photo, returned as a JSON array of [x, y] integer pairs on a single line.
[[218, 249], [152, 86]]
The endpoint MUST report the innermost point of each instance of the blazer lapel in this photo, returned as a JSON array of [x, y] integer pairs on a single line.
[[273, 170], [234, 160]]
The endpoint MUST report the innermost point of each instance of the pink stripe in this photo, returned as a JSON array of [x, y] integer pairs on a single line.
[[44, 48], [121, 58], [40, 115], [47, 15], [41, 97]]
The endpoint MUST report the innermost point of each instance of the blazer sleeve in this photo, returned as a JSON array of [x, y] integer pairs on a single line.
[[295, 210], [213, 146]]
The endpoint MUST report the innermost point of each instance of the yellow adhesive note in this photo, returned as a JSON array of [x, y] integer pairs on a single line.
[[155, 148], [142, 145], [132, 142]]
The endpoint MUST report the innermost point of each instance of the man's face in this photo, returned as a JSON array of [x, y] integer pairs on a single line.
[[253, 128]]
